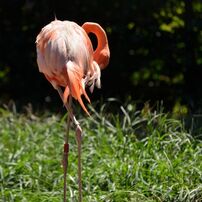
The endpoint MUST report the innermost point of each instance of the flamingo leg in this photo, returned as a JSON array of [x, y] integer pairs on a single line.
[[79, 138], [66, 145], [66, 152], [65, 165]]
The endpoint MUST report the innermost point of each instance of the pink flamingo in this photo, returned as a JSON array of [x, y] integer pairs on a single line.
[[66, 57]]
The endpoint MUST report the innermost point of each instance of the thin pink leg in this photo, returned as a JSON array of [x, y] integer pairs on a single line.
[[66, 145], [79, 138], [65, 165], [66, 153]]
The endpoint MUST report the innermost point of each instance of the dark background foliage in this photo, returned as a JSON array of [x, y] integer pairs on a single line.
[[156, 49]]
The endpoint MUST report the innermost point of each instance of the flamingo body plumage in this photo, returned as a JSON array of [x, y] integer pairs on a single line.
[[65, 56]]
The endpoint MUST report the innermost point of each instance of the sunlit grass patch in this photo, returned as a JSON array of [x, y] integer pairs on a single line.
[[128, 156]]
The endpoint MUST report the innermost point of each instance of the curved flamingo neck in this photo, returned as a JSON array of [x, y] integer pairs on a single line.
[[101, 53]]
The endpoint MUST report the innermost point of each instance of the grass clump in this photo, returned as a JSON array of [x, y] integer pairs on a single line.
[[133, 156]]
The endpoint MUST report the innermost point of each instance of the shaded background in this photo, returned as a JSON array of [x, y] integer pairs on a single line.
[[156, 49]]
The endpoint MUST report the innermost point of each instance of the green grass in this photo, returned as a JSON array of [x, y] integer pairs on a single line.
[[133, 156]]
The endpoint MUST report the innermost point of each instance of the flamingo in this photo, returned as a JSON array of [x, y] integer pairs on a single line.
[[66, 57]]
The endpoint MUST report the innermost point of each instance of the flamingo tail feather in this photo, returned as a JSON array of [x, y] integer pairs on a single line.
[[75, 80]]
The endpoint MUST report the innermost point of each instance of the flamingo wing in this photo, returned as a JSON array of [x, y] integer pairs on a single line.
[[64, 55]]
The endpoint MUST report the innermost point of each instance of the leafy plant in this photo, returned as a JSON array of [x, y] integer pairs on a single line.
[[128, 156]]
